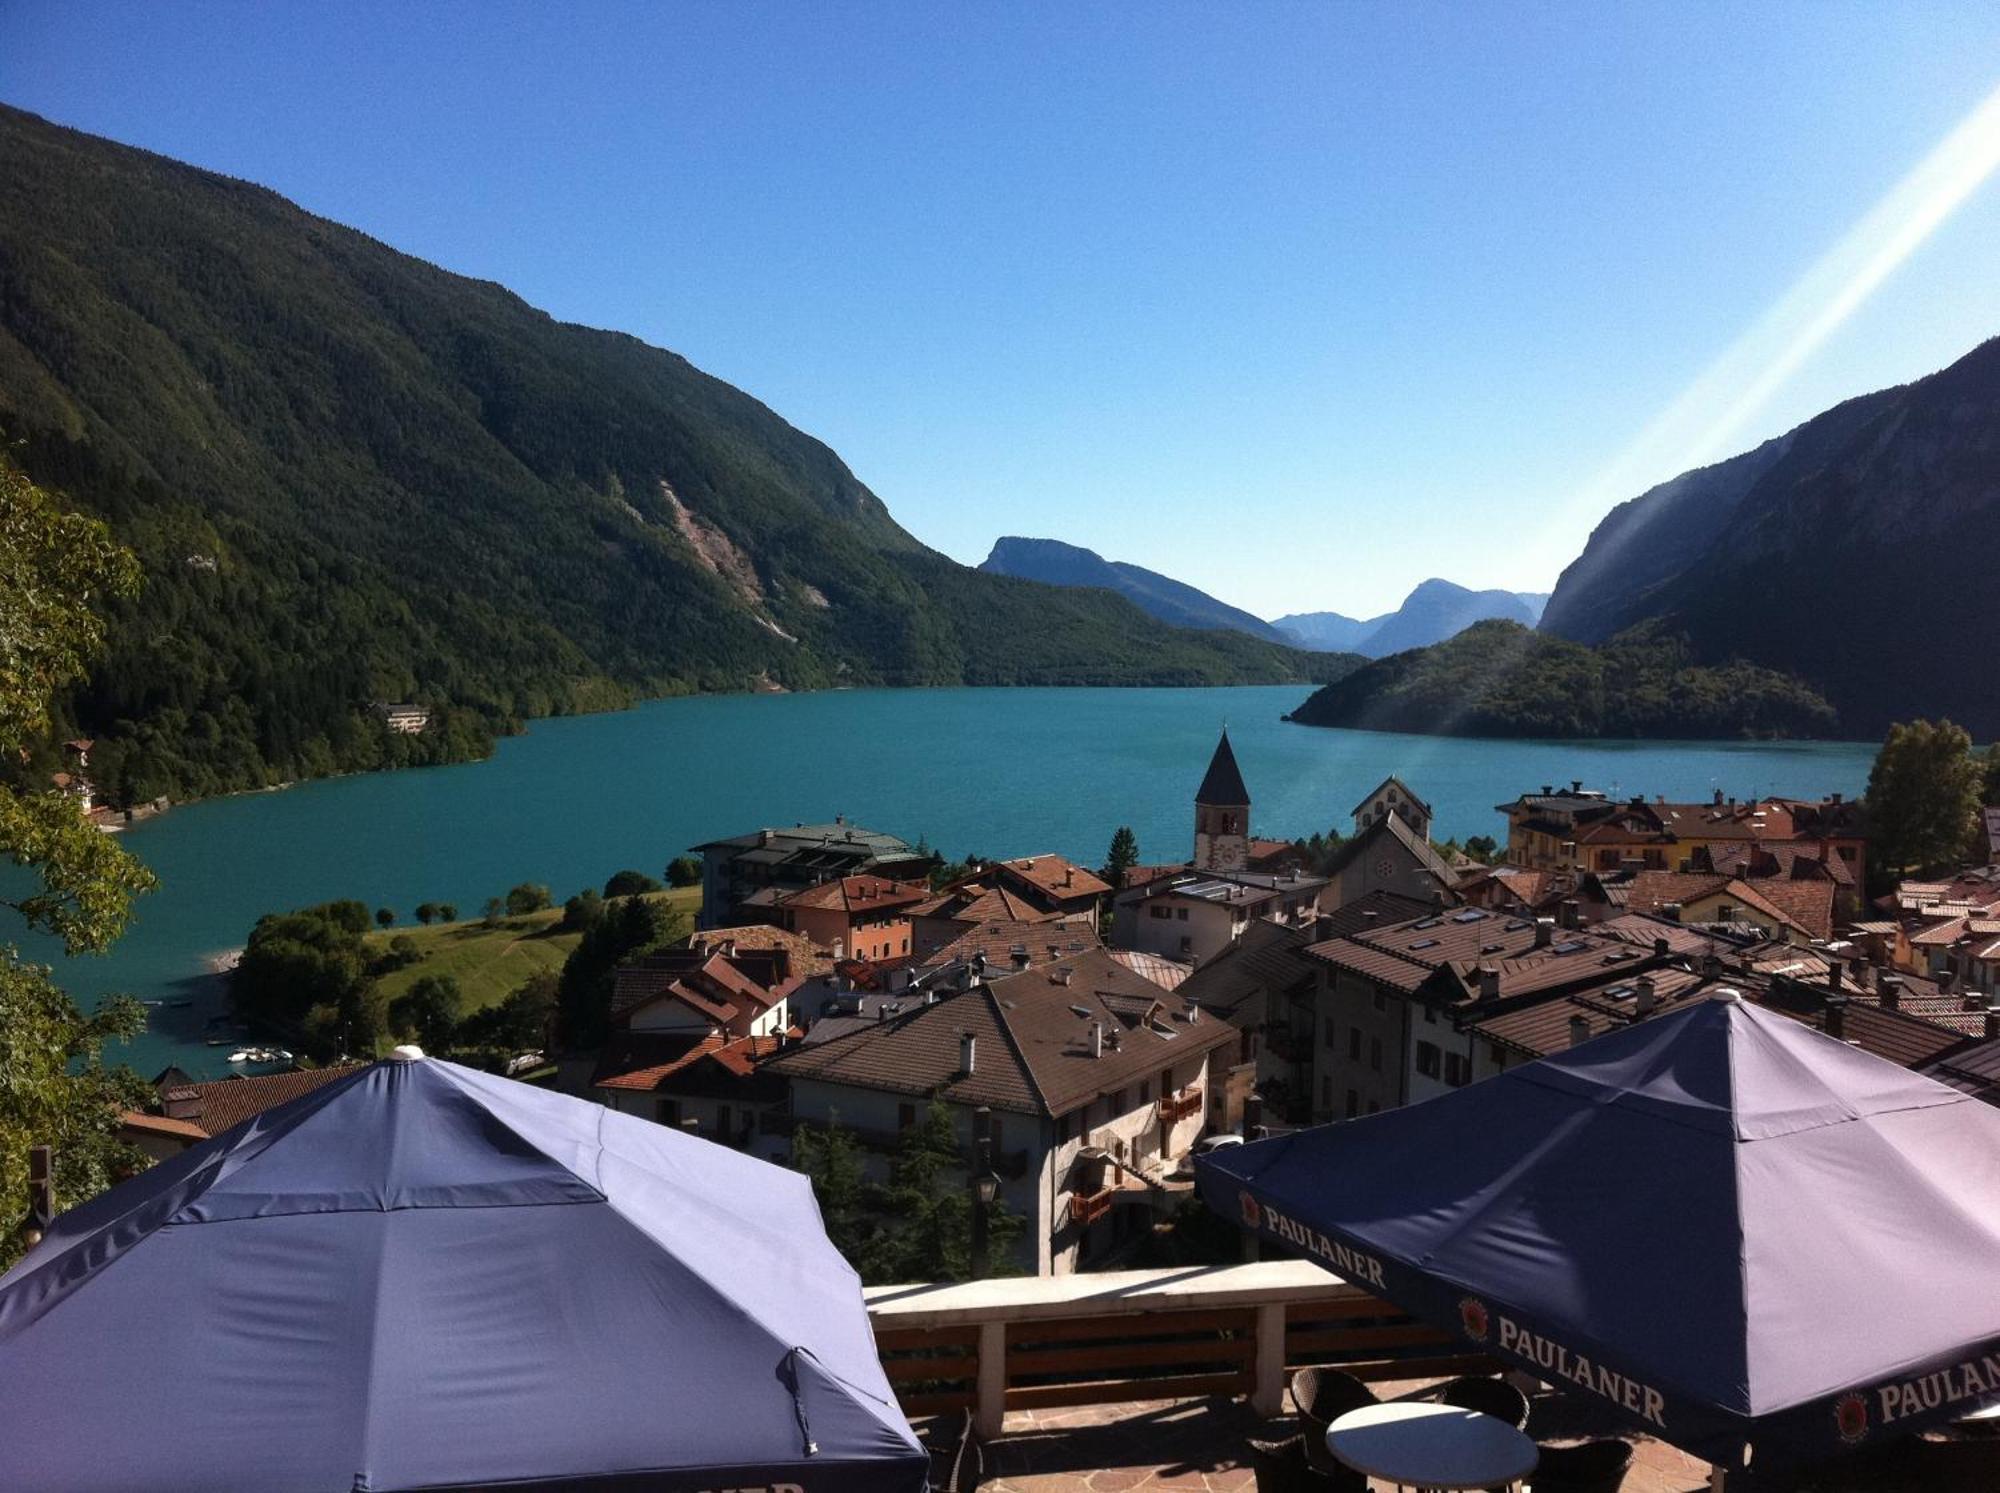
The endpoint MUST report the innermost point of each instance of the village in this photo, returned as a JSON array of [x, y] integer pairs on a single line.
[[1089, 1031]]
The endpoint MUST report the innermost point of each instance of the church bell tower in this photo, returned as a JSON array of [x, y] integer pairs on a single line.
[[1222, 814]]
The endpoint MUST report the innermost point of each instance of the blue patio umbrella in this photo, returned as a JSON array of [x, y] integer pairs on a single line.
[[427, 1277], [1750, 1240]]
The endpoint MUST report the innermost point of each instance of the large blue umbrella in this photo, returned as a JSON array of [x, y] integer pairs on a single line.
[[426, 1277], [1750, 1240]]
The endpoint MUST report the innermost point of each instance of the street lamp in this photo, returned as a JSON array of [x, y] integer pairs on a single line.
[[985, 1190]]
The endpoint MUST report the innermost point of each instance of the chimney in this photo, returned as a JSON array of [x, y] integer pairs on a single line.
[[1322, 927], [1489, 982], [1545, 932], [1661, 948], [1069, 875], [1671, 911], [968, 1050], [1062, 975], [1645, 996], [979, 965], [1194, 1013], [1579, 1031], [1833, 976], [1576, 785], [1711, 966], [1992, 1027], [1945, 980], [1369, 919], [1097, 1039], [840, 819], [1718, 798], [1834, 799], [1020, 958], [1570, 909], [1836, 1017], [1892, 992], [1547, 789]]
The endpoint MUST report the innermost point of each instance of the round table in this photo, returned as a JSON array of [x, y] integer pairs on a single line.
[[1431, 1446]]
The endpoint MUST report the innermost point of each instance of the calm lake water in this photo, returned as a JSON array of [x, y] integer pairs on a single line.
[[992, 772]]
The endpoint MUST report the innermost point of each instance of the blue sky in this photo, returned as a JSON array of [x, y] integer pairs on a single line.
[[1298, 303]]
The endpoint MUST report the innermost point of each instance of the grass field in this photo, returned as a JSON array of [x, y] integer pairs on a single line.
[[491, 963]]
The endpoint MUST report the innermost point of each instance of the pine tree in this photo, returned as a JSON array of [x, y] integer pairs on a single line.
[[1122, 857]]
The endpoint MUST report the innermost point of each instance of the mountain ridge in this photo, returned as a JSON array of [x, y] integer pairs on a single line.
[[353, 477], [1057, 563]]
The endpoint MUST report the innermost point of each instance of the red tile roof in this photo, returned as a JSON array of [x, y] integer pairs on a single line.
[[852, 894], [645, 1061], [223, 1103], [1055, 876]]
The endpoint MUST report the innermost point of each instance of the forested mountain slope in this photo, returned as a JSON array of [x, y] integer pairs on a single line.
[[354, 477], [1157, 595]]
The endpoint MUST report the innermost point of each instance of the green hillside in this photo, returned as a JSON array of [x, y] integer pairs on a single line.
[[1500, 679], [354, 477]]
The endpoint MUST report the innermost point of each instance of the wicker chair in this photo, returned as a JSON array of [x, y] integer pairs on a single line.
[[1322, 1396], [1281, 1467], [1494, 1397], [1588, 1467]]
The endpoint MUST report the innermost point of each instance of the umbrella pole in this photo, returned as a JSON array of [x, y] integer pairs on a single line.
[[1716, 1478]]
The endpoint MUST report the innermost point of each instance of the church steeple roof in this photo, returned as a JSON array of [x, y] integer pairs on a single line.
[[1223, 785]]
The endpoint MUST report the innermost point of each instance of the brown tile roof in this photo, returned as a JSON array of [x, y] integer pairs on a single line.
[[806, 958], [976, 902], [647, 1061], [1041, 940], [1649, 891], [1268, 957], [135, 1119], [721, 986], [852, 894], [1032, 1050], [220, 1104], [1168, 974], [1806, 904], [1056, 876], [1544, 1027], [1140, 875]]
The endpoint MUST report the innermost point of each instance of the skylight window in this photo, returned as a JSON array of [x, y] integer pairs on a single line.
[[1423, 943]]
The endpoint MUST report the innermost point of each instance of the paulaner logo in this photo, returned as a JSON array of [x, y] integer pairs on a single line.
[[1361, 1269], [1850, 1418], [1972, 1379], [1545, 1352]]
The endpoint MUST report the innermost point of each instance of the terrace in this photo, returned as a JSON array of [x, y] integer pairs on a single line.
[[1158, 1379]]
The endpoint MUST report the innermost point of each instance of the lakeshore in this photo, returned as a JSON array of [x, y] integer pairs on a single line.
[[988, 772]]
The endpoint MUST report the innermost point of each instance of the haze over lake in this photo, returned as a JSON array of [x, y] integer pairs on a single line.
[[992, 772]]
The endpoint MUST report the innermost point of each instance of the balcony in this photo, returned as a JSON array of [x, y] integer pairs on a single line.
[[1180, 1106], [1157, 1379]]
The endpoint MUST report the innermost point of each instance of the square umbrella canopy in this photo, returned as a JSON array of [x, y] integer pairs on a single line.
[[427, 1277], [1752, 1241]]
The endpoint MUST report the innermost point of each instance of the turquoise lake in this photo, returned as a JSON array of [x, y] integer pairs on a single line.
[[992, 772]]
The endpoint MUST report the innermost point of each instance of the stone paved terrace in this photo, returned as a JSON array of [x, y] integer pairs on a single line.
[[1197, 1446]]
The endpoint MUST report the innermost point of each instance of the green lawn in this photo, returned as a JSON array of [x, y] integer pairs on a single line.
[[491, 963]]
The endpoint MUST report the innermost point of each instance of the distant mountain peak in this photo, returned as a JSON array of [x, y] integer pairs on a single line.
[[1057, 563]]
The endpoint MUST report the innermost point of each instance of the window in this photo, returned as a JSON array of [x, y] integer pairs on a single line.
[[1158, 911], [1457, 1069], [1117, 1102], [667, 1111], [1375, 1053], [1181, 913], [1332, 1030], [1353, 1104], [1354, 1044], [906, 1116], [1427, 1059], [1326, 1093]]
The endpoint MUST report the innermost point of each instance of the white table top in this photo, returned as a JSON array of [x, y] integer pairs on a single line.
[[1431, 1446]]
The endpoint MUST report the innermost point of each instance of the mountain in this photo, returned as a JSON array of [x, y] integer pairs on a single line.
[[1856, 551], [1499, 678], [1174, 602], [1327, 630], [353, 477], [1536, 602], [1438, 609]]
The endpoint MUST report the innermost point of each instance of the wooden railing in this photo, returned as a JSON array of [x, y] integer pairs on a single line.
[[1098, 1339], [1179, 1106]]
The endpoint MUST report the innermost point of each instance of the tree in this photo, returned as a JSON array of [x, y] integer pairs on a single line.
[[55, 1088], [630, 926], [585, 908], [428, 1011], [629, 884], [683, 870], [426, 912], [1923, 797], [519, 1023], [311, 969], [385, 917], [829, 1156], [925, 1209], [447, 912], [528, 897], [1122, 857], [492, 912]]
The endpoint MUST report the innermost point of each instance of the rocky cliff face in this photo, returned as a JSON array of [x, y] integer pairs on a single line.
[[1860, 551]]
